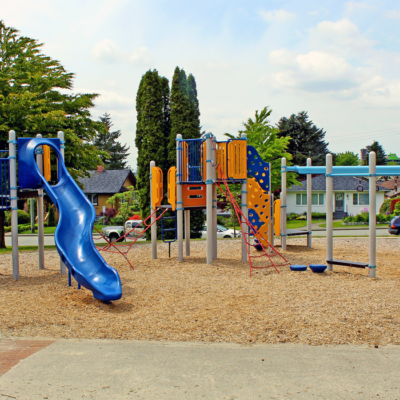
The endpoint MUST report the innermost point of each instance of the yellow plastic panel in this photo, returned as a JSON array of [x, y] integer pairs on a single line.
[[259, 205], [277, 217], [156, 186], [222, 160], [171, 179], [46, 163], [203, 160], [237, 159]]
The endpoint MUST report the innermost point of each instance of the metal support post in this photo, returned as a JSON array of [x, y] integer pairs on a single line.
[[32, 211], [329, 211], [63, 268], [271, 221], [14, 208], [187, 233], [214, 201], [372, 215], [153, 228], [283, 204], [179, 197], [245, 212], [309, 204], [209, 200], [40, 207]]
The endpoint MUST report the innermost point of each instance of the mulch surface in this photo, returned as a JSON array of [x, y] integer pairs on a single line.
[[191, 301]]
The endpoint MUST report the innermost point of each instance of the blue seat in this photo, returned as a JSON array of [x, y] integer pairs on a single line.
[[298, 267], [318, 268]]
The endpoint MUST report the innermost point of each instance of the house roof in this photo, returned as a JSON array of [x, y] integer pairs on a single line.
[[107, 181], [339, 183], [390, 184]]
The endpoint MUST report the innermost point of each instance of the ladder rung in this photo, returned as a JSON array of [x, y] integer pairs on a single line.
[[174, 217], [169, 230]]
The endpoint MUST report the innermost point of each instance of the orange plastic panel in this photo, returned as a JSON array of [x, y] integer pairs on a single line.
[[258, 203], [156, 187], [46, 163], [222, 160], [277, 217], [184, 161], [194, 195], [171, 179], [237, 159]]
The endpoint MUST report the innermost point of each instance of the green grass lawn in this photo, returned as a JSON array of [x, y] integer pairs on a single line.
[[338, 224], [302, 223], [52, 229]]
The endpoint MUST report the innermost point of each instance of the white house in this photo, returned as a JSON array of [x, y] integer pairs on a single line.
[[350, 196]]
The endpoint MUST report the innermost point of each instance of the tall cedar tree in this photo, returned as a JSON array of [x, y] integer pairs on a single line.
[[150, 139], [185, 121], [307, 139], [30, 103], [380, 154], [106, 140]]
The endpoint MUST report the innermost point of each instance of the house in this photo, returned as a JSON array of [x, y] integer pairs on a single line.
[[103, 184], [391, 187], [350, 196]]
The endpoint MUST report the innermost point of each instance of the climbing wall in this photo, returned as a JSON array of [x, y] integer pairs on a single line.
[[259, 205]]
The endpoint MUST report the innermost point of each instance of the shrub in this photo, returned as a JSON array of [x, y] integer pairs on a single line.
[[23, 217], [359, 218], [110, 213], [364, 216], [317, 215], [52, 217], [397, 209], [385, 207], [117, 220], [221, 221], [292, 216]]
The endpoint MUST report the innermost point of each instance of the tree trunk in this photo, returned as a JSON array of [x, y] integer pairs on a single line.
[[2, 239]]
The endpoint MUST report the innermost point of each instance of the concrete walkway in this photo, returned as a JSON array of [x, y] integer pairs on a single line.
[[107, 369]]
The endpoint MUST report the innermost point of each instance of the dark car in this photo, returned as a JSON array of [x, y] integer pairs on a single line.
[[394, 226]]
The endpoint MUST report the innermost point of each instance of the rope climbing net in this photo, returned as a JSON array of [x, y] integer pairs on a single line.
[[123, 248]]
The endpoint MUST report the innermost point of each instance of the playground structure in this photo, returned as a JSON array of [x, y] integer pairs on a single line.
[[202, 166], [372, 171], [73, 236]]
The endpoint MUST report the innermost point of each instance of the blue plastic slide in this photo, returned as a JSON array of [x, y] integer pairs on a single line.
[[73, 235]]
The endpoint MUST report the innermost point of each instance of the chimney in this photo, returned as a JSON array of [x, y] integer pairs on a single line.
[[363, 154], [100, 168]]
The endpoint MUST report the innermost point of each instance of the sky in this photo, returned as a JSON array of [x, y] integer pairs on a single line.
[[337, 60]]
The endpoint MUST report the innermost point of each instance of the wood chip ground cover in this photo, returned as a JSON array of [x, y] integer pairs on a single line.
[[192, 301]]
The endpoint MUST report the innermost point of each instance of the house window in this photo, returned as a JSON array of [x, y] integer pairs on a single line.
[[301, 199], [94, 199], [122, 200], [318, 199], [360, 199]]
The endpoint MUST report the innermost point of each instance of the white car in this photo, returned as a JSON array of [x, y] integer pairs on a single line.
[[222, 232]]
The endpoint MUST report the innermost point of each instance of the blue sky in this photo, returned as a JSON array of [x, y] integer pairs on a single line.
[[337, 60]]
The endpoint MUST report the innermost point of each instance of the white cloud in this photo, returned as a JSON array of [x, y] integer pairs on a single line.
[[394, 14], [277, 15], [353, 7], [109, 52], [343, 34]]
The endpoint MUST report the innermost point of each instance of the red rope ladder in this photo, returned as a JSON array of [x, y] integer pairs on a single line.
[[243, 220]]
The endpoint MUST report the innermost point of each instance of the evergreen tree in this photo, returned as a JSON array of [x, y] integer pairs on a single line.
[[150, 140], [380, 153], [180, 112], [31, 103], [115, 154], [185, 121], [195, 109], [307, 139]]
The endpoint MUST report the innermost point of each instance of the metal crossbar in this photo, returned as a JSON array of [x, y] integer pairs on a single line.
[[244, 222]]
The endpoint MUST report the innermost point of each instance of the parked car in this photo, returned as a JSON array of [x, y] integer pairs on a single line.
[[222, 232], [394, 226], [113, 233]]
